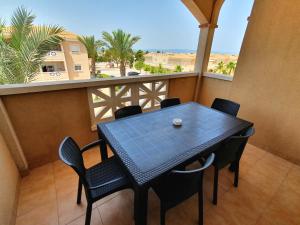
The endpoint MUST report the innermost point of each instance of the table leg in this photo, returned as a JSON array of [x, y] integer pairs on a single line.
[[140, 205]]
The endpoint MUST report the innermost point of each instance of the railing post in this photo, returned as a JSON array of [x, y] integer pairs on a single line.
[[135, 93], [205, 44]]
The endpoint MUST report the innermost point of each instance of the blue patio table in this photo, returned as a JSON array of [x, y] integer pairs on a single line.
[[148, 145]]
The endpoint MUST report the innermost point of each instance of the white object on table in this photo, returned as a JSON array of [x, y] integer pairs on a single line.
[[177, 122]]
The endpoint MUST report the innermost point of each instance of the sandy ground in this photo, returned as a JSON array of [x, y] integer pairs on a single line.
[[216, 58], [168, 60]]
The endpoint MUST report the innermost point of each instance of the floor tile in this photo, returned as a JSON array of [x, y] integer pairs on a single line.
[[95, 219], [252, 154], [66, 184], [107, 198], [37, 189], [119, 210], [268, 194], [68, 210], [239, 206], [208, 190], [293, 179], [92, 157], [38, 178], [268, 174], [283, 209], [273, 166], [66, 180], [43, 215], [30, 200]]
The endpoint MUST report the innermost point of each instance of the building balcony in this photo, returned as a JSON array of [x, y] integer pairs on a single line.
[[41, 115], [55, 56], [51, 76], [38, 189]]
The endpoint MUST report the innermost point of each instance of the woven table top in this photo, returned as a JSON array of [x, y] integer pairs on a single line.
[[149, 144]]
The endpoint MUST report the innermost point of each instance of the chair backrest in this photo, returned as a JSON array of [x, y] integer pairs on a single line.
[[179, 185], [232, 149], [226, 106], [128, 111], [169, 102], [69, 153]]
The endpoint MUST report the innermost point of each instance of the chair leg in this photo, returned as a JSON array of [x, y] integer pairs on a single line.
[[162, 214], [232, 167], [79, 192], [216, 181], [200, 206], [236, 174], [88, 214]]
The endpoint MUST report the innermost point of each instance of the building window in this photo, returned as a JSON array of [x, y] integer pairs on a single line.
[[75, 48], [48, 68], [78, 67]]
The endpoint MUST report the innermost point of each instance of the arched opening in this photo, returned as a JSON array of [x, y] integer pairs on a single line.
[[228, 37]]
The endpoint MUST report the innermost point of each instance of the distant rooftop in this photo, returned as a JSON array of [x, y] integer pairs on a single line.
[[64, 35]]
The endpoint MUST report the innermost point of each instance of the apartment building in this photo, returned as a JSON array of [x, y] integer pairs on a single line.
[[67, 61]]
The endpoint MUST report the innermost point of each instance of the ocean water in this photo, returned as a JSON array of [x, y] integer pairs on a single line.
[[171, 50], [184, 51]]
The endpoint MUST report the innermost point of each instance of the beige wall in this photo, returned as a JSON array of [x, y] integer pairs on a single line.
[[76, 58], [9, 177], [267, 81], [212, 88], [206, 7], [42, 120], [182, 88]]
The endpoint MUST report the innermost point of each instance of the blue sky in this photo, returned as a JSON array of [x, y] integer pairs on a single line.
[[162, 24]]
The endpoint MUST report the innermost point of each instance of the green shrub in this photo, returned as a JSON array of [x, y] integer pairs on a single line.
[[139, 65], [102, 75], [147, 67], [178, 69]]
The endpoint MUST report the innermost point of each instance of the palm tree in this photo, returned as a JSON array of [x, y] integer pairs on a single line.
[[23, 46], [120, 45], [220, 68], [91, 45], [231, 67], [178, 69]]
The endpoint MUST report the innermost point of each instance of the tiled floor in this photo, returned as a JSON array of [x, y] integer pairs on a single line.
[[268, 194]]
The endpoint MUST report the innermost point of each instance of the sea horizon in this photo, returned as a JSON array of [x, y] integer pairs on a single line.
[[186, 51]]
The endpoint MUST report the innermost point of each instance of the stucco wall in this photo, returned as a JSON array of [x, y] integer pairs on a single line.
[[211, 88], [9, 177], [205, 6], [267, 78], [41, 120], [182, 88], [76, 58]]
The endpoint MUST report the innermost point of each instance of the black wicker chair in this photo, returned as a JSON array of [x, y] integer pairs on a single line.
[[98, 181], [120, 113], [169, 102], [178, 186], [128, 111], [230, 152], [226, 106]]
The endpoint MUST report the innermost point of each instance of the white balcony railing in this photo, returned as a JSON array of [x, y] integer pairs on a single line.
[[105, 100], [55, 56], [52, 76]]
